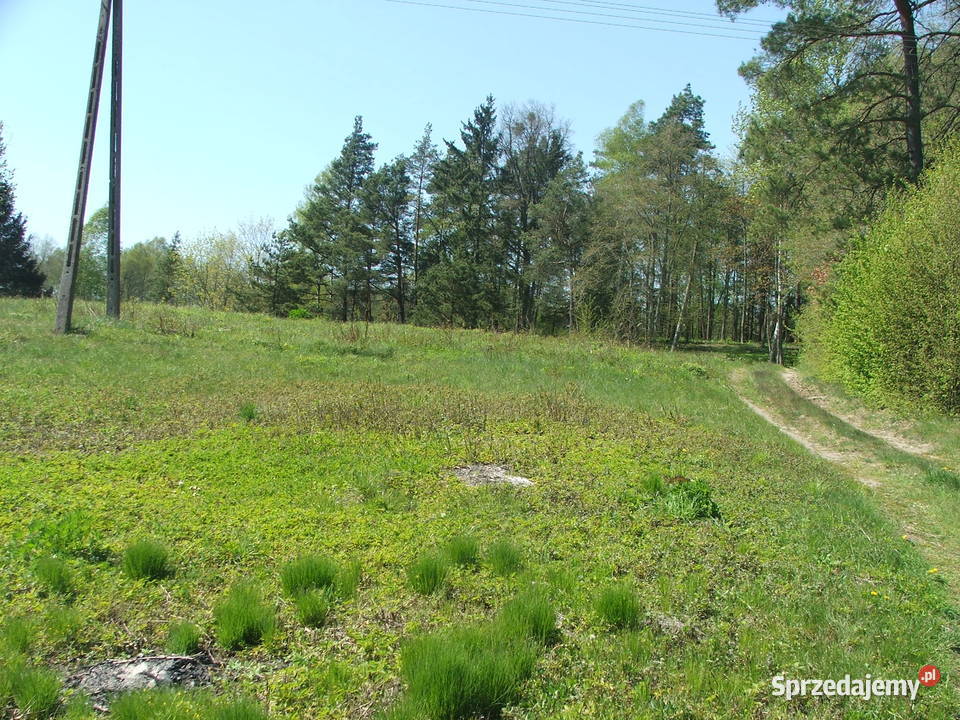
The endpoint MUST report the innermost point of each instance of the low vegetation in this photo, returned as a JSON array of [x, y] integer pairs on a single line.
[[183, 638], [147, 560], [619, 607], [243, 619]]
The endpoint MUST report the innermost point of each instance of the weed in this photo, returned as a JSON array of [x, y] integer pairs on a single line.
[[428, 573], [243, 619], [16, 635], [146, 560], [505, 557], [54, 575], [944, 478], [466, 672], [312, 607], [36, 692], [248, 412], [619, 607], [299, 314], [308, 572], [183, 638], [463, 550], [531, 616]]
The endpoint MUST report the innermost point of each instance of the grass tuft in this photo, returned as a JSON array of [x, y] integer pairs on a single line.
[[35, 692], [54, 576], [183, 638], [505, 557], [689, 501], [619, 607], [239, 710], [944, 478], [308, 572], [463, 550], [312, 607], [531, 616], [248, 412], [428, 573], [16, 635], [243, 619], [146, 560]]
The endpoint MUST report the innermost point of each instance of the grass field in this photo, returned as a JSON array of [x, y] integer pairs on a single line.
[[238, 444]]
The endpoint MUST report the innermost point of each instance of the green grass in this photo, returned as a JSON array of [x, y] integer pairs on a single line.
[[16, 635], [428, 573], [530, 616], [135, 426], [308, 572], [183, 638], [54, 576], [168, 704], [35, 691], [147, 560], [943, 478], [243, 619], [463, 550], [504, 557], [312, 607], [618, 607]]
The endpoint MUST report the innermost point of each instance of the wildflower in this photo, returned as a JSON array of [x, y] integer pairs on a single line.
[[874, 592], [933, 570]]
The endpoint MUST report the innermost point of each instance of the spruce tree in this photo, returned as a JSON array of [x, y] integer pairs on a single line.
[[18, 267]]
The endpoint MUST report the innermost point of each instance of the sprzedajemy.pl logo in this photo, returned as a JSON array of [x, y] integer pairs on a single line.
[[865, 687]]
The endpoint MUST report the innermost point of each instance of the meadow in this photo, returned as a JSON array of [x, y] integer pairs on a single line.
[[279, 495]]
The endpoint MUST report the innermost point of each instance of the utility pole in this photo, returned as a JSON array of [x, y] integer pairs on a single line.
[[113, 235], [68, 280]]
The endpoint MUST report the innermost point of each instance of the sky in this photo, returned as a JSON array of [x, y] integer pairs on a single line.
[[231, 108]]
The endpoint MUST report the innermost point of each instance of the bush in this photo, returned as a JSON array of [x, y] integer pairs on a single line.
[[530, 616], [466, 672], [146, 560], [944, 478], [463, 550], [242, 619], [887, 324], [312, 607], [690, 501], [619, 607], [248, 411], [183, 638], [54, 575], [35, 692], [308, 572], [505, 557], [428, 573], [16, 635]]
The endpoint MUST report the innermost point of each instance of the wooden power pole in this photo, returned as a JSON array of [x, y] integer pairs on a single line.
[[68, 279]]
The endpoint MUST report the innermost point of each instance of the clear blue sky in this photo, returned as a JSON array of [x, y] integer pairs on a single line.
[[231, 108]]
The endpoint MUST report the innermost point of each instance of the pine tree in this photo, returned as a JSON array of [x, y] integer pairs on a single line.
[[18, 267]]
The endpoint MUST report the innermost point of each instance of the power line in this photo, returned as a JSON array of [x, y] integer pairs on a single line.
[[607, 15], [633, 7], [569, 20]]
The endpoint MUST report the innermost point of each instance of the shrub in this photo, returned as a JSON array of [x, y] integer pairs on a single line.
[[428, 573], [183, 638], [299, 314], [463, 550], [35, 692], [531, 616], [54, 575], [146, 560], [308, 572], [242, 619], [312, 607], [248, 411], [505, 557], [16, 635], [944, 478], [466, 672], [689, 501], [619, 607]]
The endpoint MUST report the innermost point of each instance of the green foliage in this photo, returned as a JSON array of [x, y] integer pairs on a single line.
[[428, 573], [71, 534], [183, 638], [944, 478], [16, 635], [619, 607], [146, 560], [530, 616], [505, 557], [464, 673], [888, 327], [239, 710], [308, 572], [299, 314], [35, 692], [689, 501], [248, 411], [62, 623], [243, 619], [463, 550], [54, 575], [312, 607], [167, 704], [19, 274]]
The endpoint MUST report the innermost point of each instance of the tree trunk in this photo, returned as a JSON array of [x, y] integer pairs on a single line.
[[911, 73]]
